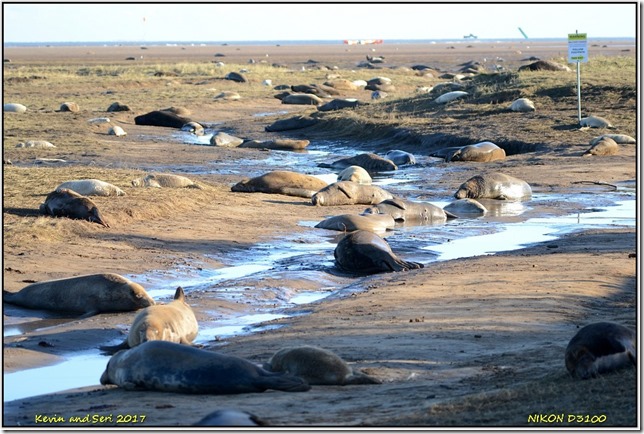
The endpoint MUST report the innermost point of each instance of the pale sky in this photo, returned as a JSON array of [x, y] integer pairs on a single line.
[[81, 22]]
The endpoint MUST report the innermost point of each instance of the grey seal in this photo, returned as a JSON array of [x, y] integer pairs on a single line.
[[87, 294], [281, 182], [350, 193], [400, 158], [371, 162], [599, 348], [170, 367], [407, 211], [92, 187], [494, 186], [64, 202], [292, 123], [159, 180], [230, 417], [365, 252], [605, 146], [353, 222], [481, 152], [355, 174], [317, 366], [172, 322]]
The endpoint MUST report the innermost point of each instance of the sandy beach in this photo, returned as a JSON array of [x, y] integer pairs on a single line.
[[465, 342]]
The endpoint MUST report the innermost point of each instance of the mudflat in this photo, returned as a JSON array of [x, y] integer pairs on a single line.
[[475, 341]]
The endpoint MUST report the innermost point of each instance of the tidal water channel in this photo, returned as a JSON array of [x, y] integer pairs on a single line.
[[269, 277]]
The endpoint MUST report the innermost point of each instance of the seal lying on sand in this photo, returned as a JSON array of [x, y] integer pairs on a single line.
[[230, 417], [409, 212], [88, 295], [172, 322], [170, 367], [35, 144], [494, 186], [161, 118], [621, 139], [605, 146], [282, 182], [293, 123], [353, 222], [366, 252], [481, 152], [64, 202], [595, 122], [370, 162], [522, 105], [317, 366], [355, 174], [281, 144], [599, 348], [159, 180], [92, 187], [350, 193]]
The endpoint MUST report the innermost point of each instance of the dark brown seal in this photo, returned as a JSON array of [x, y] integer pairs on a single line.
[[172, 322], [370, 162], [317, 366], [282, 182], [366, 252], [161, 118], [599, 348], [88, 295], [67, 203], [169, 367]]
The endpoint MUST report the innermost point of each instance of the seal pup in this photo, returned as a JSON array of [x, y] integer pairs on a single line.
[[228, 95], [13, 107], [281, 182], [494, 186], [302, 99], [450, 96], [400, 158], [118, 107], [350, 193], [89, 294], [92, 187], [117, 131], [317, 366], [194, 128], [366, 252], [355, 174], [621, 139], [35, 144], [407, 211], [353, 222], [522, 105], [170, 367], [599, 348], [225, 140], [172, 322], [605, 146], [482, 152], [159, 180], [64, 202], [371, 162], [595, 122], [69, 107], [465, 208], [230, 417]]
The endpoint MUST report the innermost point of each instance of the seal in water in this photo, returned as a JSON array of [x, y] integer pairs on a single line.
[[280, 144], [355, 174], [366, 252], [317, 366], [64, 202], [159, 180], [494, 186], [169, 367], [350, 193], [599, 348], [400, 158], [88, 295], [172, 322], [230, 417], [481, 152], [465, 208], [410, 212], [352, 222], [92, 187], [281, 182]]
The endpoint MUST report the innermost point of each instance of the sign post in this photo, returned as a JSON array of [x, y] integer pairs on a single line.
[[578, 52]]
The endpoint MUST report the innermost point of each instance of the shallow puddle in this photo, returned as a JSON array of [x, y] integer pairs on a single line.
[[287, 272]]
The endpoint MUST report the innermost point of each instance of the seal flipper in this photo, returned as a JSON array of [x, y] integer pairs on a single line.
[[397, 202], [346, 193], [360, 378], [112, 349], [281, 381]]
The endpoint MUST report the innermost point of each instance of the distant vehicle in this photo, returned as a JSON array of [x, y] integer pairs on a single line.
[[470, 36], [362, 41]]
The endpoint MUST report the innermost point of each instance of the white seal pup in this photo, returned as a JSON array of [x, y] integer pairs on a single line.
[[117, 131], [159, 180], [595, 122], [522, 105], [621, 139], [35, 144], [13, 107], [92, 187], [450, 96], [355, 174]]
